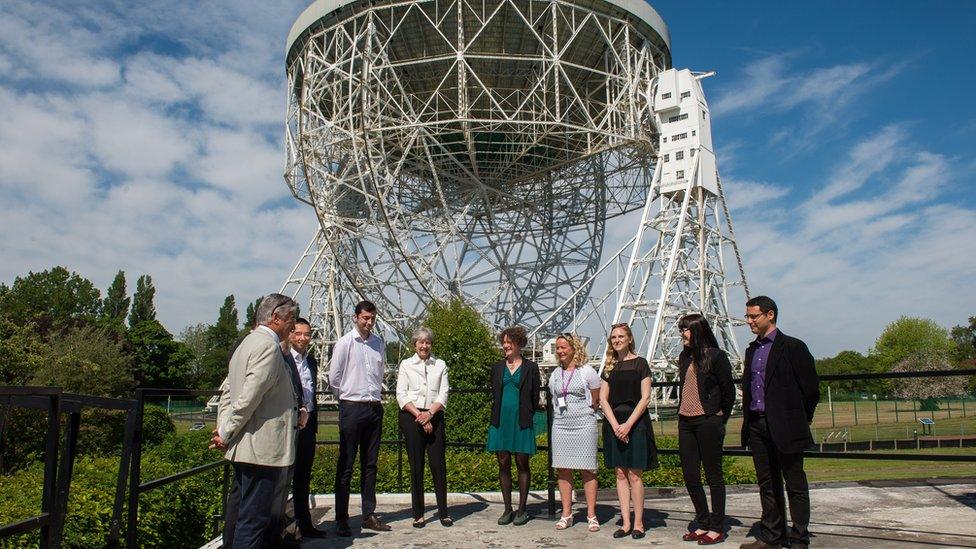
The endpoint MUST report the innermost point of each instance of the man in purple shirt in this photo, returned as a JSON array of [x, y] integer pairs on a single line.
[[780, 385]]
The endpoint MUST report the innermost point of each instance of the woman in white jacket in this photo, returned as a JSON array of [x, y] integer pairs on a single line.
[[422, 395]]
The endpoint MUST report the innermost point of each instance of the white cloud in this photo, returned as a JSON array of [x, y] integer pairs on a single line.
[[160, 160], [744, 195], [877, 242]]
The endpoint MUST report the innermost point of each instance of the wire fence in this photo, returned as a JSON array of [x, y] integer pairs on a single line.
[[843, 430]]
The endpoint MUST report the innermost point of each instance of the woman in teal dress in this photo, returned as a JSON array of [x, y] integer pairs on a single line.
[[515, 386]]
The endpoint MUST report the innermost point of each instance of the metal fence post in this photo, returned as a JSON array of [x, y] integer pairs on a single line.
[[135, 475], [551, 480], [399, 461]]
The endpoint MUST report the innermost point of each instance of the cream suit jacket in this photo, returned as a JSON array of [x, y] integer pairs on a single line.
[[258, 412]]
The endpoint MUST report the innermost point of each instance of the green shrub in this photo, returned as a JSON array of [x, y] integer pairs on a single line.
[[176, 515]]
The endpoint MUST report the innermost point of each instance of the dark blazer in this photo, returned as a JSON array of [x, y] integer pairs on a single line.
[[792, 394], [528, 392], [715, 389], [296, 379]]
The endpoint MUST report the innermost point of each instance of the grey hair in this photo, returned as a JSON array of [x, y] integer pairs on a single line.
[[422, 333], [273, 303]]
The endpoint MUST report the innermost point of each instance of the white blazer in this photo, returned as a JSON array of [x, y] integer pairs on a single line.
[[422, 382]]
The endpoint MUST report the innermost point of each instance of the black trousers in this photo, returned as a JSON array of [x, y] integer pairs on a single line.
[[256, 525], [419, 443], [303, 476], [700, 442], [232, 505], [360, 427], [772, 469]]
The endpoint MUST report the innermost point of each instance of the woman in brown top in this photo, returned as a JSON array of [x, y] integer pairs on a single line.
[[704, 405]]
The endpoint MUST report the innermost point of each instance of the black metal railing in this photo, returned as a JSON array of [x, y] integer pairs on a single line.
[[57, 473]]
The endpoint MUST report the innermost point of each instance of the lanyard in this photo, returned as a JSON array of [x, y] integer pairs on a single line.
[[566, 382]]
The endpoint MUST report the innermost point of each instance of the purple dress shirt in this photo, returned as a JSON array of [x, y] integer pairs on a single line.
[[757, 385]]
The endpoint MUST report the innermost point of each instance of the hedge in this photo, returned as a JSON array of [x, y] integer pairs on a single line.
[[180, 514]]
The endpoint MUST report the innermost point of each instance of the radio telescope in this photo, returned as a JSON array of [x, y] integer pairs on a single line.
[[484, 150]]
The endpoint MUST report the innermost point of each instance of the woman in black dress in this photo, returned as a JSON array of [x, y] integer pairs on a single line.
[[628, 438], [704, 405]]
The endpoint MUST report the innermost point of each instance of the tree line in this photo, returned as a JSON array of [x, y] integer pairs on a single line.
[[57, 329], [909, 344]]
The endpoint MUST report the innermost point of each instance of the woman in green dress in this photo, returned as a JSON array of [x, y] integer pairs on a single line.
[[515, 385]]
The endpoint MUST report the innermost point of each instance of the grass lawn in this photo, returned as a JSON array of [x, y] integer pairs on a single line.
[[826, 470]]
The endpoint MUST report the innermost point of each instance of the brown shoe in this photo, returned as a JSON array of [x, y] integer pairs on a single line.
[[758, 544], [373, 523]]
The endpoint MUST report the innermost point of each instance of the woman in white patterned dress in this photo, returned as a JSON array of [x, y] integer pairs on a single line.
[[575, 392]]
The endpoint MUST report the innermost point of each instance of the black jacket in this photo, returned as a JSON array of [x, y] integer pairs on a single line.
[[792, 393], [296, 381], [715, 389], [528, 392]]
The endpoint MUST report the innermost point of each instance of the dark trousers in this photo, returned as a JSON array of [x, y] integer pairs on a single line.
[[232, 505], [419, 442], [360, 427], [700, 442], [257, 485], [772, 469], [303, 477]]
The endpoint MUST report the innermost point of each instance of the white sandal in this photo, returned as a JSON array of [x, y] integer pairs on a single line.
[[564, 522], [594, 524]]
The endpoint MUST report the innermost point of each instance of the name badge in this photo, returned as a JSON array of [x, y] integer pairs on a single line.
[[561, 402]]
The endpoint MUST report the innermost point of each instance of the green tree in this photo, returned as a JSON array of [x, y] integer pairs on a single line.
[[20, 345], [909, 335], [250, 314], [468, 347], [195, 339], [143, 307], [115, 306], [56, 295], [964, 338], [850, 362], [158, 360], [89, 360], [221, 338]]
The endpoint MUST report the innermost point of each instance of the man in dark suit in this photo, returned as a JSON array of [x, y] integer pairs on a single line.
[[780, 392], [307, 368]]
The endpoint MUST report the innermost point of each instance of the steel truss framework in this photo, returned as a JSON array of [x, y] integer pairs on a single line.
[[479, 149], [469, 149]]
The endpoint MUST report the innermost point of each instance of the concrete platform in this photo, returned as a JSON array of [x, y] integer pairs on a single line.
[[935, 513]]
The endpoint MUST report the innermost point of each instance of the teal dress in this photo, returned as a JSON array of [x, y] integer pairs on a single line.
[[508, 437]]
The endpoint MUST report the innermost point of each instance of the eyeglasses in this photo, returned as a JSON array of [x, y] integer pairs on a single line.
[[754, 316]]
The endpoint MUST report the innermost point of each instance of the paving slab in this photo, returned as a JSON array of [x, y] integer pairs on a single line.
[[935, 513]]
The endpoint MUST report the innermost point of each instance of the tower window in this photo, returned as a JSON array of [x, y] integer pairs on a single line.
[[680, 174], [685, 94], [666, 95], [680, 155], [665, 158]]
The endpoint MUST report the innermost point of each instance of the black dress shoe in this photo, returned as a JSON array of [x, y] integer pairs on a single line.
[[759, 544], [637, 534], [372, 522], [342, 530], [621, 533], [447, 522], [312, 532]]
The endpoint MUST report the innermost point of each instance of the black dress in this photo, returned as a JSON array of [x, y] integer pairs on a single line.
[[640, 452]]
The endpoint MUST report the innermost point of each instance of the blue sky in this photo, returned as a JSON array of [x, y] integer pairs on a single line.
[[147, 136]]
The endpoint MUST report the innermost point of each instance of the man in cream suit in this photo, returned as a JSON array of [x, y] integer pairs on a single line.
[[258, 428]]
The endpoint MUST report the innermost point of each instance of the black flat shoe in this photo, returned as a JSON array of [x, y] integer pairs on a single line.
[[447, 522], [419, 523], [506, 518], [621, 533], [521, 518], [638, 534], [343, 530]]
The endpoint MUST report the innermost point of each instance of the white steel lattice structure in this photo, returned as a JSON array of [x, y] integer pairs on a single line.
[[471, 149], [480, 150]]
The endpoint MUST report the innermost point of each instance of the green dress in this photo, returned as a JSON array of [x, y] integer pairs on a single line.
[[508, 437]]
